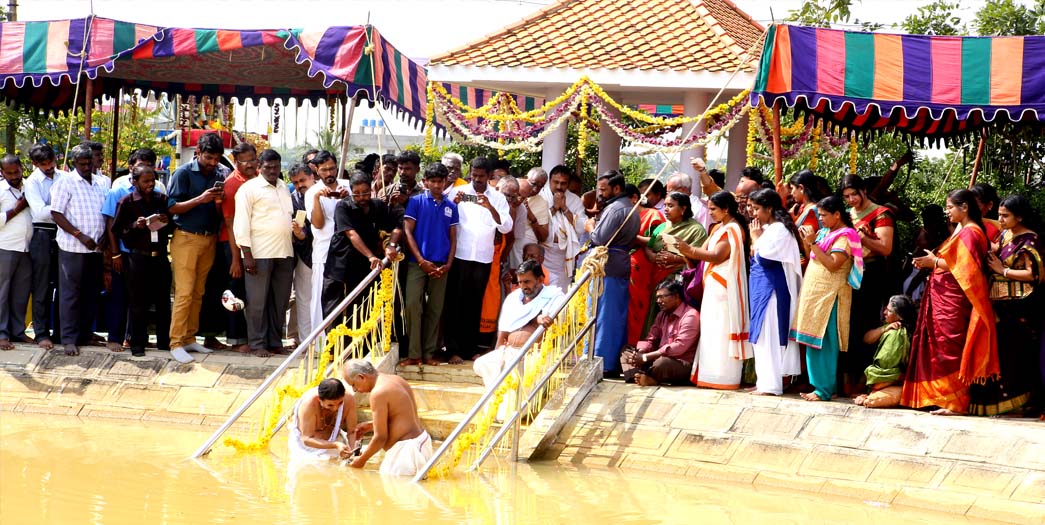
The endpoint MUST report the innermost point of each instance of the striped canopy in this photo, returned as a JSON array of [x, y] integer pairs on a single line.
[[40, 62], [926, 86]]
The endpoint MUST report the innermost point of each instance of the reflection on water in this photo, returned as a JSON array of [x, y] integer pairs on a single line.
[[68, 470]]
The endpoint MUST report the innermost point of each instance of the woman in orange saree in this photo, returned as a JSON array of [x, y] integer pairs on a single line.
[[955, 342], [644, 273]]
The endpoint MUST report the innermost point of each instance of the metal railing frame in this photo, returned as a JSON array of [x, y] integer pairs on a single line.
[[302, 347], [516, 365]]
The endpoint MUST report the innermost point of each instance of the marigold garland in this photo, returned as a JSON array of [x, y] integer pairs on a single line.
[[852, 153]]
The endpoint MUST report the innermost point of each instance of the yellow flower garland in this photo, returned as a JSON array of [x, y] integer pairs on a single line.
[[853, 151], [381, 310], [815, 148], [752, 134]]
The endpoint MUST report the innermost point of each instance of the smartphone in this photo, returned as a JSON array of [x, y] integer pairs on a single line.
[[468, 197], [358, 450], [299, 218], [220, 184]]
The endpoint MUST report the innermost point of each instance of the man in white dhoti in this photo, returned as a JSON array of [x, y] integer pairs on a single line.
[[523, 310], [323, 425], [565, 230], [396, 425]]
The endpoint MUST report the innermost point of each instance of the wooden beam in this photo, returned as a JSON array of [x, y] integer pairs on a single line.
[[778, 159], [115, 133], [88, 104], [979, 157]]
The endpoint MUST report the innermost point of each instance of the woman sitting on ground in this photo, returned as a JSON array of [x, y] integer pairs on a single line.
[[1017, 273], [955, 342], [893, 340], [835, 269]]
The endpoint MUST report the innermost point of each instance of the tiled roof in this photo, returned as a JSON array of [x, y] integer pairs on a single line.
[[659, 35]]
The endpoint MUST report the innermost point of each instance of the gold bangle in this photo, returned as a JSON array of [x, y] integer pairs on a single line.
[[936, 263]]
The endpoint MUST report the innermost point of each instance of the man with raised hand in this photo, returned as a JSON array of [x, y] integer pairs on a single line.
[[320, 201]]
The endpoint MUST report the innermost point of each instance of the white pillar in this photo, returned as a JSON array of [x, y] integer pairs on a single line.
[[694, 104], [609, 144], [736, 158], [553, 151]]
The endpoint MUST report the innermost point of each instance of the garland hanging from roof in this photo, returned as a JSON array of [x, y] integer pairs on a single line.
[[501, 125]]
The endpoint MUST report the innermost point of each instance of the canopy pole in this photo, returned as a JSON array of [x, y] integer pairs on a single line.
[[88, 105], [116, 133], [346, 131], [979, 157], [778, 158]]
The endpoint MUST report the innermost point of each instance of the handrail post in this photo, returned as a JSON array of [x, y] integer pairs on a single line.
[[205, 448], [518, 405]]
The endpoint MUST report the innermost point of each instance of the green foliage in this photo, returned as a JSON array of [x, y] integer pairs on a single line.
[[636, 169], [1009, 18], [135, 131], [937, 18], [821, 13]]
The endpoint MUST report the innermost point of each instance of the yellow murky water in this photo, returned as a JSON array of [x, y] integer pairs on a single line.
[[68, 470]]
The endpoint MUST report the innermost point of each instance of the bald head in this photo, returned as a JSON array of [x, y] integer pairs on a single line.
[[681, 183], [746, 187]]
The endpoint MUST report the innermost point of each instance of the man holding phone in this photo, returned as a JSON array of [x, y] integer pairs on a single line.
[[197, 220], [320, 201]]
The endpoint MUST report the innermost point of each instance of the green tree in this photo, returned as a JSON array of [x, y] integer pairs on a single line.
[[1008, 18], [937, 18], [821, 13]]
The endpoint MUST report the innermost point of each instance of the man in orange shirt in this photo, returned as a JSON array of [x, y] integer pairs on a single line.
[[245, 156]]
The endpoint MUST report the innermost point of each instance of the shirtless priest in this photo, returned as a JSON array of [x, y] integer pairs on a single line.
[[396, 426], [324, 424]]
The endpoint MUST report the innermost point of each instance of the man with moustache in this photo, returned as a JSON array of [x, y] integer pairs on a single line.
[[565, 228], [43, 248], [320, 202], [16, 273], [300, 324]]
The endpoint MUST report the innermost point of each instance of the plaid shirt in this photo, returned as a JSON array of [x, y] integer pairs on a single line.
[[81, 202]]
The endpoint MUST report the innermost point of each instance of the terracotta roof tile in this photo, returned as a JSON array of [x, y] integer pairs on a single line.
[[676, 35]]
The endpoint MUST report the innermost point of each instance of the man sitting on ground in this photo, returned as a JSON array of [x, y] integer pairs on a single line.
[[667, 353], [324, 423], [524, 309], [396, 425]]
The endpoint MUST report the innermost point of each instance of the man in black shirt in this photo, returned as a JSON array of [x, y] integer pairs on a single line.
[[356, 248], [143, 222]]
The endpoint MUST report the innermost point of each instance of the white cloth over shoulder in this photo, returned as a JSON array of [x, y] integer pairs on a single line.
[[772, 361], [300, 451], [407, 456], [515, 314], [564, 239]]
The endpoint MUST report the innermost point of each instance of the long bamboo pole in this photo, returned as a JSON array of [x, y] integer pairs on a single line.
[[979, 157], [88, 105], [115, 133], [778, 156]]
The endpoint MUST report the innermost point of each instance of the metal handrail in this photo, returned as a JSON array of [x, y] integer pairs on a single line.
[[508, 370], [529, 399], [271, 379]]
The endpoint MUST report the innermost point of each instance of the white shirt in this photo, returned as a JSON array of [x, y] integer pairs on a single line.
[[576, 207], [81, 203], [38, 194], [124, 182], [475, 235], [524, 233], [16, 233], [321, 236], [262, 220], [103, 179]]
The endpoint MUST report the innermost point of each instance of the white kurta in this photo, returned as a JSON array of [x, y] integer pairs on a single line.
[[772, 361]]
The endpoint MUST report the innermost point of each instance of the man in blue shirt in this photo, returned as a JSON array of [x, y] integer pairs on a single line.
[[197, 220], [116, 317], [430, 224]]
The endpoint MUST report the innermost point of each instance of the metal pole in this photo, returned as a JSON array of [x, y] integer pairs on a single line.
[[346, 133], [516, 427], [88, 105], [116, 133], [286, 363], [12, 127]]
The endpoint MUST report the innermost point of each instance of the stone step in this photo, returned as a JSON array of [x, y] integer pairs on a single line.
[[444, 373], [447, 397]]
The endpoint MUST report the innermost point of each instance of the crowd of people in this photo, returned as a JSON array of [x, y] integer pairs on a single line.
[[790, 287]]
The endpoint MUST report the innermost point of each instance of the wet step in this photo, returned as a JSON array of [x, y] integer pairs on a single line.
[[447, 397], [444, 373]]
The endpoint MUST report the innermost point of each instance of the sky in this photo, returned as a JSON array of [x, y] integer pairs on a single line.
[[418, 28]]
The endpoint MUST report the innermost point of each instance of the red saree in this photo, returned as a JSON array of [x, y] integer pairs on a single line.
[[644, 276], [955, 342]]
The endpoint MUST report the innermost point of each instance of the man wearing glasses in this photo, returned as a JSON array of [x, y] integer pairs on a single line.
[[356, 247], [245, 156]]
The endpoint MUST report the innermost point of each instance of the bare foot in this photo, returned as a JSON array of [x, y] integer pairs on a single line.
[[456, 360], [214, 344], [71, 350], [431, 361], [859, 400], [242, 349], [114, 347], [261, 352], [811, 397], [761, 393], [45, 343], [645, 380], [410, 362], [5, 344], [944, 412]]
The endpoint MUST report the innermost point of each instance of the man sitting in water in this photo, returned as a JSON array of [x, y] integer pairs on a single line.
[[324, 424], [396, 426], [530, 305]]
